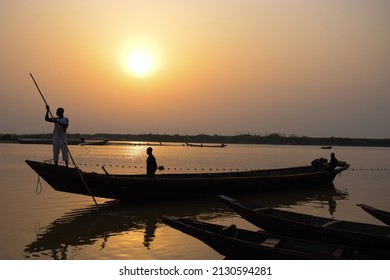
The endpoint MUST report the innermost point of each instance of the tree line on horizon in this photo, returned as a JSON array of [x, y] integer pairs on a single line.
[[272, 139]]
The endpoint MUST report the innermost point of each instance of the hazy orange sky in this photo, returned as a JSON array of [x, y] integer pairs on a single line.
[[309, 68]]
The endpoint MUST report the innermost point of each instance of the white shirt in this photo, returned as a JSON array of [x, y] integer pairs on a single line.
[[59, 131]]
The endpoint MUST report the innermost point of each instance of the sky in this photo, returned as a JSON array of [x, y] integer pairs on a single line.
[[226, 67]]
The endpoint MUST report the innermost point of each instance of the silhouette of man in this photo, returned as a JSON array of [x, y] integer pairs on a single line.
[[333, 162], [151, 163], [60, 140]]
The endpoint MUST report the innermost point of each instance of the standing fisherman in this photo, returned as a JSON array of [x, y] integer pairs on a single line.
[[60, 140]]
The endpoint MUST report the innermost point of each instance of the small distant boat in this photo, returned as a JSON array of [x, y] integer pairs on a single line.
[[206, 145], [326, 147], [381, 215], [312, 227], [235, 243], [84, 142]]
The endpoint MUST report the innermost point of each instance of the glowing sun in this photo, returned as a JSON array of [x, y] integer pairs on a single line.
[[140, 63]]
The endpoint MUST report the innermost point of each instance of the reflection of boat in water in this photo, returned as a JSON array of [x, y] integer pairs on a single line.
[[91, 226], [206, 145], [180, 186], [324, 196]]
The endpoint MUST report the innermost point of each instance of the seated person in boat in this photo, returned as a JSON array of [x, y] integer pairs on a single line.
[[151, 163], [332, 163]]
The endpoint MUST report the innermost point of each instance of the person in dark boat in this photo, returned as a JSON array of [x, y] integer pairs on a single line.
[[332, 163], [60, 140], [151, 163]]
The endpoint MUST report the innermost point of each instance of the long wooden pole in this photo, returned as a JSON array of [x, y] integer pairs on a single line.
[[67, 149]]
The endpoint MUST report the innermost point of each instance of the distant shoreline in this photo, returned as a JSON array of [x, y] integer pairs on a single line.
[[271, 139]]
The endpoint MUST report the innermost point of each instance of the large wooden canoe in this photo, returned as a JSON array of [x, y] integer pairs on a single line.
[[312, 227], [381, 215], [169, 186], [235, 243]]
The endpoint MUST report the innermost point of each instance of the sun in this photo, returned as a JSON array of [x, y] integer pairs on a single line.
[[140, 58], [140, 63]]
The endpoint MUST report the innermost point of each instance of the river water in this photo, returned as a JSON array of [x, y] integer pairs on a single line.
[[40, 223]]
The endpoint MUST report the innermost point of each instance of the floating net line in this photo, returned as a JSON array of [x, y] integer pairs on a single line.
[[124, 166]]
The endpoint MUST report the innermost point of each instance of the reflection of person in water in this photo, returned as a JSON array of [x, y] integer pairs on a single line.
[[334, 196], [332, 206], [150, 232], [93, 227]]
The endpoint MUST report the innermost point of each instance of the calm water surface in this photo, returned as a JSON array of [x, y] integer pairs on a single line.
[[40, 223]]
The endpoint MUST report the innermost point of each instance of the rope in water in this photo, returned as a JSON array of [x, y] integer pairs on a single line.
[[38, 188]]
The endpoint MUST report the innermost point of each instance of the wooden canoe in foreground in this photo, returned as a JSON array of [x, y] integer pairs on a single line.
[[381, 215], [235, 243], [312, 227]]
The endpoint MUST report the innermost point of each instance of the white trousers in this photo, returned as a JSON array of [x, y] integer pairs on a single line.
[[58, 145]]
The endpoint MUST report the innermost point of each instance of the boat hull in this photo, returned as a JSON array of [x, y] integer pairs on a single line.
[[172, 186], [235, 243], [381, 215], [312, 227]]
